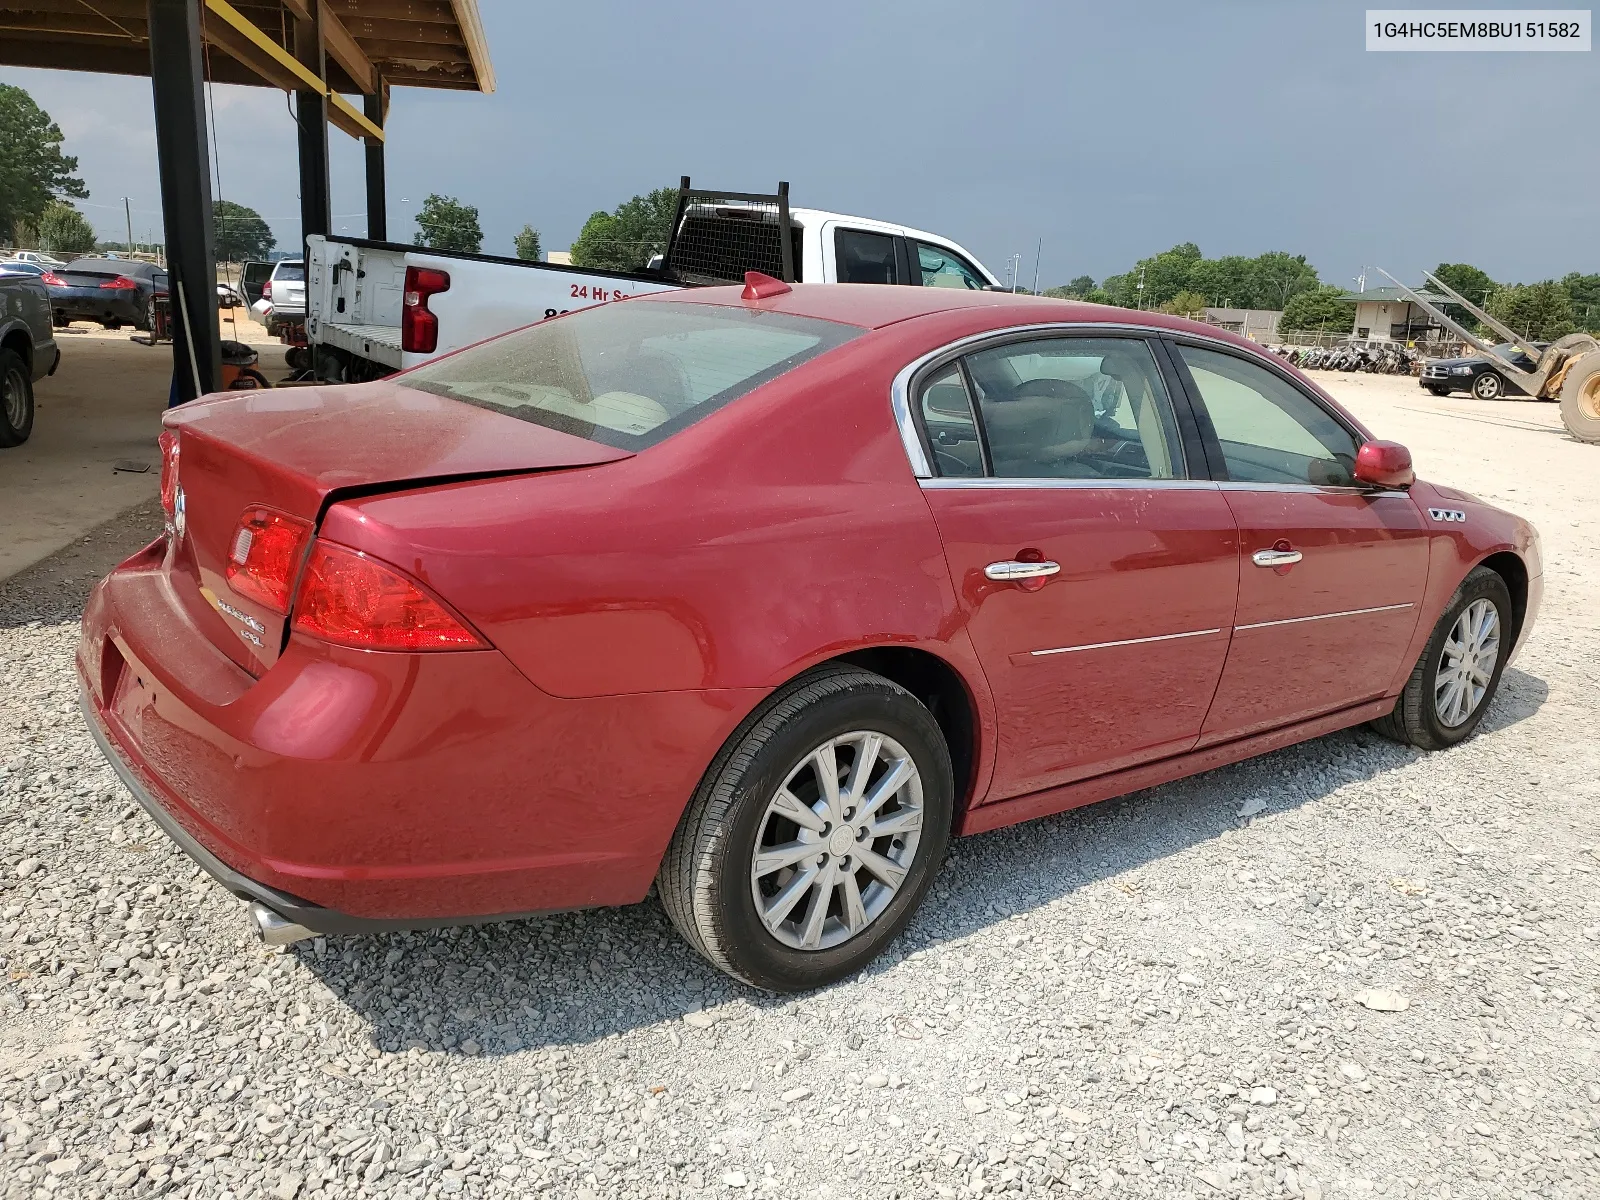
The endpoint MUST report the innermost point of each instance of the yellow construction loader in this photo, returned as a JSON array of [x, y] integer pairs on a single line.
[[1567, 370]]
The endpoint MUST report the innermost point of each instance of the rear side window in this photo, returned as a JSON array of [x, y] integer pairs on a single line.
[[630, 374], [862, 257]]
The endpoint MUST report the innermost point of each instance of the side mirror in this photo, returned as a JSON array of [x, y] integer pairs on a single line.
[[1384, 465]]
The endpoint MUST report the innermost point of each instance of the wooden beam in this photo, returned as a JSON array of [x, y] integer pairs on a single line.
[[342, 48], [72, 25], [105, 56], [249, 54], [351, 119], [399, 10], [286, 61], [415, 52], [414, 32], [477, 42]]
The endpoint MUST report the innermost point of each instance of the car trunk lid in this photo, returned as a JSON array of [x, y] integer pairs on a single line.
[[290, 450]]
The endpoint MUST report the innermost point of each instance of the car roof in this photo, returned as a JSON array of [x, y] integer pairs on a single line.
[[874, 306]]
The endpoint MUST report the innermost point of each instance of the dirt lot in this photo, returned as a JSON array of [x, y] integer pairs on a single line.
[[95, 426], [1159, 996]]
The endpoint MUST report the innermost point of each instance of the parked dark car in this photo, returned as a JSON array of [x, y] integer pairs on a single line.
[[112, 291], [1476, 374], [27, 351]]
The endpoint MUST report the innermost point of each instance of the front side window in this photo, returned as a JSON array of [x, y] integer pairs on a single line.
[[633, 373], [862, 257], [1270, 431], [1076, 408], [944, 268]]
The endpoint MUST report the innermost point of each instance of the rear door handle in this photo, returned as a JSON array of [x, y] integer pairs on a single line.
[[1275, 558], [1011, 570]]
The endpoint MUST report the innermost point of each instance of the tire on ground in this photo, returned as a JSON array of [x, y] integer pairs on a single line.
[[704, 879], [17, 380], [1580, 399], [1415, 720]]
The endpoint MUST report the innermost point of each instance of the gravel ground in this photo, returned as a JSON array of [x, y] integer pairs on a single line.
[[1345, 969]]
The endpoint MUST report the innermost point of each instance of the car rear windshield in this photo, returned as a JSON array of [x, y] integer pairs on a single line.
[[290, 273], [633, 373]]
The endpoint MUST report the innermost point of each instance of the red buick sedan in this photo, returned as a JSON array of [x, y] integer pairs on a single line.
[[762, 596]]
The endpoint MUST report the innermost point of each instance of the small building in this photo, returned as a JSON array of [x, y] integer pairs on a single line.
[[1386, 314], [1257, 324], [563, 257]]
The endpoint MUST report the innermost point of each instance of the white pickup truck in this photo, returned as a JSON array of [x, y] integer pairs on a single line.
[[378, 307]]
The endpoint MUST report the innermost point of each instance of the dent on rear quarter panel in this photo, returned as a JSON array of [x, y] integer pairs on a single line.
[[780, 531]]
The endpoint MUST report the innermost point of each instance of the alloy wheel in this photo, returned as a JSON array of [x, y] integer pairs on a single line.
[[837, 840], [1487, 386], [1467, 665]]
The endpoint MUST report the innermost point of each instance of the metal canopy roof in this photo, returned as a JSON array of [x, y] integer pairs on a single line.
[[405, 43]]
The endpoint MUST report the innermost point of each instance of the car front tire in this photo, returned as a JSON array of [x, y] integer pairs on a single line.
[[16, 399], [1455, 680], [788, 883], [1439, 389], [1488, 386]]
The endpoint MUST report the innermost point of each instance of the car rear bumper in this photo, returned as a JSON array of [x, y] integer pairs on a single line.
[[350, 790], [94, 304]]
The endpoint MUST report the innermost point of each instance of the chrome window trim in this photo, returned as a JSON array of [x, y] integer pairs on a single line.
[[1353, 612], [900, 388], [1160, 637], [1231, 485], [1006, 483]]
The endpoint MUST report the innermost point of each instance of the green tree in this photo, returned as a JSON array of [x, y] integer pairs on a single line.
[[1472, 283], [1224, 281], [240, 232], [626, 238], [1538, 311], [527, 244], [32, 168], [447, 224], [1076, 290], [1318, 311], [1585, 293], [64, 231], [1186, 304], [1276, 277]]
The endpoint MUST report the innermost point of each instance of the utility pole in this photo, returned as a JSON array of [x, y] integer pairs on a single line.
[[1139, 287], [128, 212], [1038, 254]]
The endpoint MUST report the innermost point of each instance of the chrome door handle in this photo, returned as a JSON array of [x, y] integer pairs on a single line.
[[1275, 558], [1011, 570]]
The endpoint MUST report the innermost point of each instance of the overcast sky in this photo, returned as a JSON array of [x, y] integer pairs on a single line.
[[1111, 130]]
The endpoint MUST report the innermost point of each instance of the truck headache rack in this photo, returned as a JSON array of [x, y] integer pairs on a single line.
[[717, 236]]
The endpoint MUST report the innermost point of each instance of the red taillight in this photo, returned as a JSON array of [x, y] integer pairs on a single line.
[[266, 290], [264, 556], [120, 283], [169, 473], [354, 600], [51, 279], [419, 328]]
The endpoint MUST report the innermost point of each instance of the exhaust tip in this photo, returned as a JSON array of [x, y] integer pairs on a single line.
[[275, 930]]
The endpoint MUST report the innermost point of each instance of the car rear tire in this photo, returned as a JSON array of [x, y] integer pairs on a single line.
[[1455, 680], [790, 904], [1488, 386], [16, 399]]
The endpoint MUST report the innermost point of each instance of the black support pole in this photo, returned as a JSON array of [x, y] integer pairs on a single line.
[[377, 202], [311, 114], [177, 85]]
